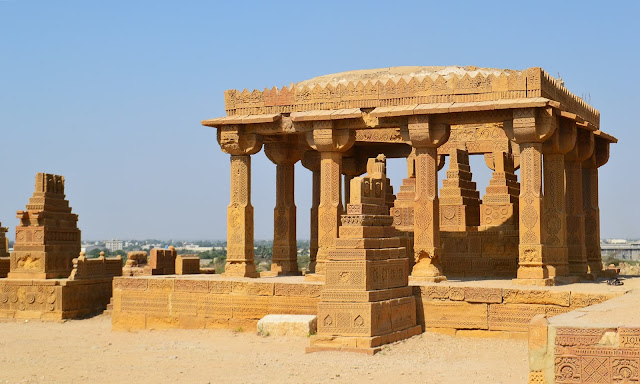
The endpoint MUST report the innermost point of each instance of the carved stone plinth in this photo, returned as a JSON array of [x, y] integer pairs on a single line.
[[47, 238], [459, 199], [366, 301], [499, 209]]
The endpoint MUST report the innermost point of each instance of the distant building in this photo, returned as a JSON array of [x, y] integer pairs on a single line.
[[194, 248], [114, 245], [621, 250], [89, 247]]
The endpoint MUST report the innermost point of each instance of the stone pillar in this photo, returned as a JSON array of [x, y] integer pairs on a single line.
[[284, 153], [330, 143], [530, 127], [347, 187], [240, 256], [311, 161], [460, 201], [426, 135], [590, 205], [575, 217], [555, 214]]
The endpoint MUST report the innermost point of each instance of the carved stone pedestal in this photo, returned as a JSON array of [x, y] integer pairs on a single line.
[[366, 301]]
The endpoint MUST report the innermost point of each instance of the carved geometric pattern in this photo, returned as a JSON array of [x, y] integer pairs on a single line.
[[595, 369]]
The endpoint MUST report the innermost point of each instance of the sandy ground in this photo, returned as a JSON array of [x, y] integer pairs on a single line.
[[87, 351]]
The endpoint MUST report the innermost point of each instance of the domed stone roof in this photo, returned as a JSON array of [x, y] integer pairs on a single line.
[[395, 73]]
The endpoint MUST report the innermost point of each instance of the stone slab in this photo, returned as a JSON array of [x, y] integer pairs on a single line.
[[460, 315], [288, 325]]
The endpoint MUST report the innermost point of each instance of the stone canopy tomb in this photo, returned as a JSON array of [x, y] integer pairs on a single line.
[[540, 228]]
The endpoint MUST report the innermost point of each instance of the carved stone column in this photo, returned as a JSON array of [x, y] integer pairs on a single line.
[[330, 143], [284, 153], [311, 161], [555, 221], [240, 256], [575, 217], [426, 135], [590, 205], [530, 127]]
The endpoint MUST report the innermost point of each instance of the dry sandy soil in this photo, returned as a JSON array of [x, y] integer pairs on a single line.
[[87, 351]]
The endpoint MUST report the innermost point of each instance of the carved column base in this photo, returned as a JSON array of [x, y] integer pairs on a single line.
[[428, 269], [556, 259], [240, 269], [577, 261], [282, 268], [532, 268], [595, 269]]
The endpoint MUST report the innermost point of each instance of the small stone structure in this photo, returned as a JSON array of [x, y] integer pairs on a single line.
[[100, 267], [366, 301], [48, 278], [187, 265], [161, 262], [47, 238], [135, 264]]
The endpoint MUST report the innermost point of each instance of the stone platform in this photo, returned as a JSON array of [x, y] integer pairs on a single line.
[[596, 344], [53, 299], [463, 307], [208, 301]]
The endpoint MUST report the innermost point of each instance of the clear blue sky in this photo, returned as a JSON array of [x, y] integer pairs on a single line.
[[110, 94]]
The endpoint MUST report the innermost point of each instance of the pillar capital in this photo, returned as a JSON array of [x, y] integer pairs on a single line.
[[234, 141], [600, 155], [424, 131], [311, 160], [563, 138], [583, 148], [325, 138], [354, 166], [531, 125], [286, 150]]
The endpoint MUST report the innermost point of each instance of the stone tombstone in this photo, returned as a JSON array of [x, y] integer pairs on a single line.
[[47, 238], [366, 301]]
